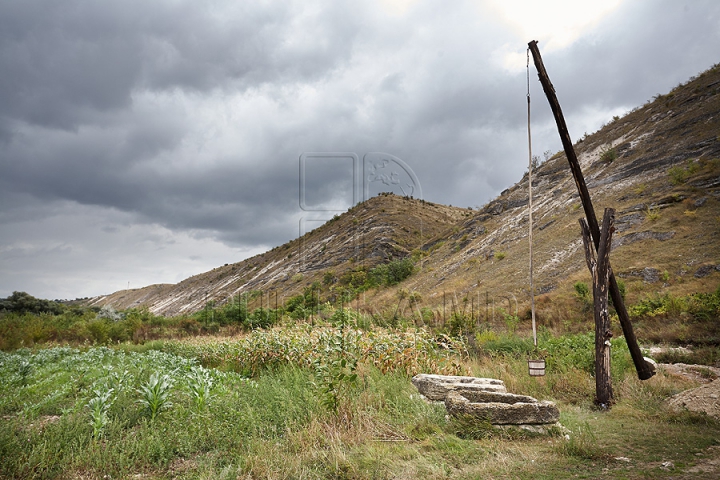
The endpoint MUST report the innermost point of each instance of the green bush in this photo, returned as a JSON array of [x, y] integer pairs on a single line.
[[98, 330], [302, 306], [702, 306], [233, 312], [392, 273], [458, 324], [584, 296], [608, 154], [581, 290], [22, 302], [262, 318]]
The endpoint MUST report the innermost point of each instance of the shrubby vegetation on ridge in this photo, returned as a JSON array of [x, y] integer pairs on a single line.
[[26, 321]]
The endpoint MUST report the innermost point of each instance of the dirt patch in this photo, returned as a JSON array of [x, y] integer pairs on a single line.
[[709, 463], [703, 399], [40, 423], [698, 373]]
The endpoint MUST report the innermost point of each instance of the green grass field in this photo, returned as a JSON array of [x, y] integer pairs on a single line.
[[96, 412]]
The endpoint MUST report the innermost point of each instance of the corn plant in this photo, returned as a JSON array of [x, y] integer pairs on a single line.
[[99, 406], [24, 371], [200, 385], [121, 379], [155, 395], [335, 371]]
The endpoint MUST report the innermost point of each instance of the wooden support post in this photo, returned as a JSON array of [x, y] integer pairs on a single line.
[[599, 270], [644, 369]]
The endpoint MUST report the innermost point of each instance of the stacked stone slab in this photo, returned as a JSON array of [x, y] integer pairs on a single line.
[[436, 387], [486, 399]]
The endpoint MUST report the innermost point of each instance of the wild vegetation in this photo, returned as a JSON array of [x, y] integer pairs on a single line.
[[657, 166], [665, 319], [330, 394], [331, 410]]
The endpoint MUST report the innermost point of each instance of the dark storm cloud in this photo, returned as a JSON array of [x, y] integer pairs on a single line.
[[168, 122], [64, 62], [74, 71]]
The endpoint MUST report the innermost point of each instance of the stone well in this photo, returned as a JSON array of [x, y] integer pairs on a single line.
[[436, 387], [486, 399]]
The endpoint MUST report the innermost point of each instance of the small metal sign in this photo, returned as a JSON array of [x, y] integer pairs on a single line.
[[536, 368]]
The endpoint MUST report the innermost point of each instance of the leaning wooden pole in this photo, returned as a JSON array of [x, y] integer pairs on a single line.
[[644, 369]]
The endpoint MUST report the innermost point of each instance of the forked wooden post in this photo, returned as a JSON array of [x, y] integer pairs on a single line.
[[644, 369], [599, 268]]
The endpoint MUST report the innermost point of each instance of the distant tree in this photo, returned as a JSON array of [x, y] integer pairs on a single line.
[[535, 162], [22, 302]]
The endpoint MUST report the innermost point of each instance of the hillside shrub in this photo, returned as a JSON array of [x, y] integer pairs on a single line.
[[701, 306], [458, 324], [392, 273], [608, 154], [583, 295], [233, 312], [301, 306], [679, 174], [652, 214], [581, 290]]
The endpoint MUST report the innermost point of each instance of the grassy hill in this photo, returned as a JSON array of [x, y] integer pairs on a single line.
[[383, 228], [658, 166]]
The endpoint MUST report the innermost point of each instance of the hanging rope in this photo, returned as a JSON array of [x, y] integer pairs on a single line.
[[530, 209]]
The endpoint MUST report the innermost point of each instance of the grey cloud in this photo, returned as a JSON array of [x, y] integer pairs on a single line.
[[65, 62]]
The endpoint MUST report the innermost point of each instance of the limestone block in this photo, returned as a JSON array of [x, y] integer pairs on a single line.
[[480, 396], [498, 413], [436, 387]]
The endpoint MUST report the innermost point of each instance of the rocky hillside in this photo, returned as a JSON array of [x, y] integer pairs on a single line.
[[658, 166], [383, 228]]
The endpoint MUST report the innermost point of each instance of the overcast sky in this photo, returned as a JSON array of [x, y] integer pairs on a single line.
[[144, 142]]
